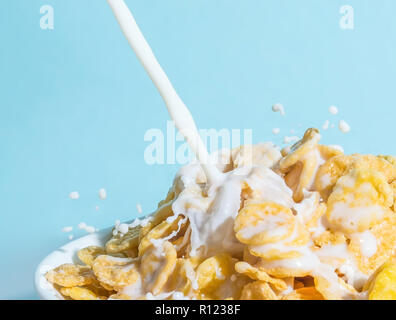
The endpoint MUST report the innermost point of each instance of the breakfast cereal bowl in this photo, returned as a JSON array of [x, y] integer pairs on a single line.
[[306, 223]]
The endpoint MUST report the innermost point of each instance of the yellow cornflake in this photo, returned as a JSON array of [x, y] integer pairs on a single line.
[[286, 249], [358, 201], [89, 254], [338, 166], [115, 272], [261, 223], [329, 237], [390, 159], [248, 257], [126, 243], [160, 231], [384, 234], [100, 289], [382, 285], [70, 275], [78, 293], [157, 265], [119, 296], [257, 274], [282, 271], [258, 290], [301, 164], [336, 289], [182, 279], [304, 293], [214, 277]]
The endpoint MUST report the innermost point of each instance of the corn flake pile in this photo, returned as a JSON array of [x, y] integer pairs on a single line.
[[309, 223]]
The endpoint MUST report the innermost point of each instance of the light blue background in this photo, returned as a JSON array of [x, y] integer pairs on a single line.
[[75, 103]]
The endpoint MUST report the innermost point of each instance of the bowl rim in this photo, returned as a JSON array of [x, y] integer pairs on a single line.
[[64, 254]]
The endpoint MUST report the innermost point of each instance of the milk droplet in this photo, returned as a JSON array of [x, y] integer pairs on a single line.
[[333, 110], [278, 107], [344, 126]]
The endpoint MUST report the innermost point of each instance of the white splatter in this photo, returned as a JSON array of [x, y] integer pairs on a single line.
[[102, 193], [74, 195], [333, 110], [344, 126], [278, 107], [275, 130], [67, 229]]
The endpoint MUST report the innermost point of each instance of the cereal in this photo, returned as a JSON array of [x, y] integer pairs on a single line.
[[100, 289], [304, 293], [336, 289], [214, 275], [157, 265], [106, 286], [301, 164], [307, 223], [310, 210], [78, 293], [329, 237], [126, 243], [115, 272], [330, 172], [289, 248], [179, 279], [89, 254], [248, 257], [338, 166], [257, 274], [261, 223], [70, 275], [390, 159], [382, 286], [162, 230], [258, 290], [384, 237], [119, 296], [359, 201]]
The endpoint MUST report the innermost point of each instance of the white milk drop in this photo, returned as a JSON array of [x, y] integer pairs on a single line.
[[333, 110], [344, 126], [74, 195], [67, 229], [102, 194], [368, 243], [278, 107]]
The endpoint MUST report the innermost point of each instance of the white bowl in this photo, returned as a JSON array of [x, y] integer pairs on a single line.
[[65, 254]]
